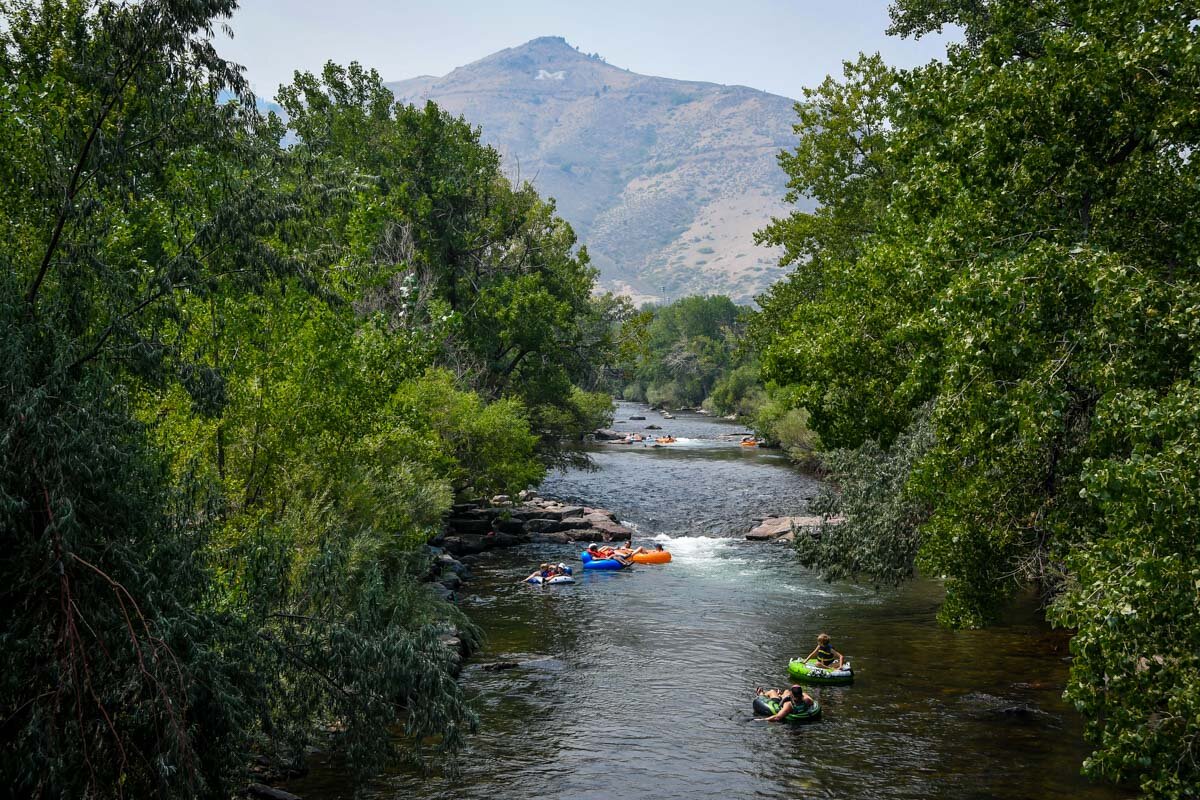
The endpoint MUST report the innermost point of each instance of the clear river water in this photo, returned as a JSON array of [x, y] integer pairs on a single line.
[[638, 684]]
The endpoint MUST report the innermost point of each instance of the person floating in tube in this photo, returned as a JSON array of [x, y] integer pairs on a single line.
[[608, 552], [793, 700], [827, 657]]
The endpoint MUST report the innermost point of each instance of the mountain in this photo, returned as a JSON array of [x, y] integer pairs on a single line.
[[664, 180]]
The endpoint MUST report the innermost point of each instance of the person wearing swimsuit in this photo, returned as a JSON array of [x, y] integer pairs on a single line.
[[826, 656]]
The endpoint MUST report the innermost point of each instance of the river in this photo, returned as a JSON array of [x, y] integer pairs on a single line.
[[637, 684]]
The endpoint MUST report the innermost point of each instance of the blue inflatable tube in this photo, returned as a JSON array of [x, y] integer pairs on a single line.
[[599, 563]]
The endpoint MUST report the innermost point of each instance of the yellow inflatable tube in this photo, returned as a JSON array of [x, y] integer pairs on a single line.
[[655, 557]]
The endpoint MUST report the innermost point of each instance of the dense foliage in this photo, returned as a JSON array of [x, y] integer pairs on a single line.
[[242, 386], [686, 353], [1008, 239]]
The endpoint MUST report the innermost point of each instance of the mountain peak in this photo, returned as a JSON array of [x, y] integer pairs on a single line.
[[664, 180]]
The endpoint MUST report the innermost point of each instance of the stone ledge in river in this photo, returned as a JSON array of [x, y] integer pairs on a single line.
[[473, 528], [774, 528], [260, 791]]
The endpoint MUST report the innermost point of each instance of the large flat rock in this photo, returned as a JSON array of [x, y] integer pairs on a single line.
[[775, 527]]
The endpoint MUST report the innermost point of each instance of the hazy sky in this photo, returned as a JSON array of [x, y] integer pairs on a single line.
[[775, 45]]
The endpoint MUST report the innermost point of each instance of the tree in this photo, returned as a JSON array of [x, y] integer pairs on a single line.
[[108, 117], [1006, 235], [442, 240]]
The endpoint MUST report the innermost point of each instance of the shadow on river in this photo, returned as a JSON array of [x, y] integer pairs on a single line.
[[638, 683]]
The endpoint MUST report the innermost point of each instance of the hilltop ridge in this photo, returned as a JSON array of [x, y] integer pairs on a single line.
[[665, 180]]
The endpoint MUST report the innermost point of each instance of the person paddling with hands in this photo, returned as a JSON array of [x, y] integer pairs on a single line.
[[543, 572], [793, 700]]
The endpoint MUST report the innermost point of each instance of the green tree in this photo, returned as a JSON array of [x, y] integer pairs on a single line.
[[1007, 235], [107, 115], [445, 241]]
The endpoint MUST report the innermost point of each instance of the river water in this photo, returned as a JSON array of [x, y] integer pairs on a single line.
[[638, 684]]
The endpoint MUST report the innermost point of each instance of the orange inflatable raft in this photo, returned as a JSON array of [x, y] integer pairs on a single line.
[[653, 557]]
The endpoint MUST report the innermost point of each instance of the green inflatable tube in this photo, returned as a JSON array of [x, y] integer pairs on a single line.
[[767, 707], [810, 672]]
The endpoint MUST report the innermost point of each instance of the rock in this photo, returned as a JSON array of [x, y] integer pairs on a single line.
[[607, 434], [557, 537], [545, 526], [461, 508], [775, 527], [527, 513], [468, 525], [447, 563], [451, 582], [654, 427], [441, 592], [501, 500], [787, 538], [526, 495], [513, 526], [500, 665], [591, 513], [611, 530], [770, 529], [261, 791], [586, 535], [465, 544], [636, 417], [570, 511], [507, 540]]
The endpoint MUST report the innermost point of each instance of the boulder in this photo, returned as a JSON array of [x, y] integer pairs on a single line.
[[570, 511], [507, 540], [607, 434], [468, 525], [466, 544], [260, 791], [775, 527], [535, 512], [451, 581], [636, 417], [545, 526], [555, 537], [592, 513], [512, 526], [586, 535], [525, 495], [654, 427], [609, 531], [441, 592], [501, 500]]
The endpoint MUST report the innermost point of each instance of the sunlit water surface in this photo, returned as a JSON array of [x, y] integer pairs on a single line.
[[638, 683]]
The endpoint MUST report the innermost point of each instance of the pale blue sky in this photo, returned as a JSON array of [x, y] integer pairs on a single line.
[[775, 45]]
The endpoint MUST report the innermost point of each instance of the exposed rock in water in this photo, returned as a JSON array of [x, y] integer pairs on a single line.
[[501, 665], [260, 791], [776, 527], [474, 528], [608, 434]]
